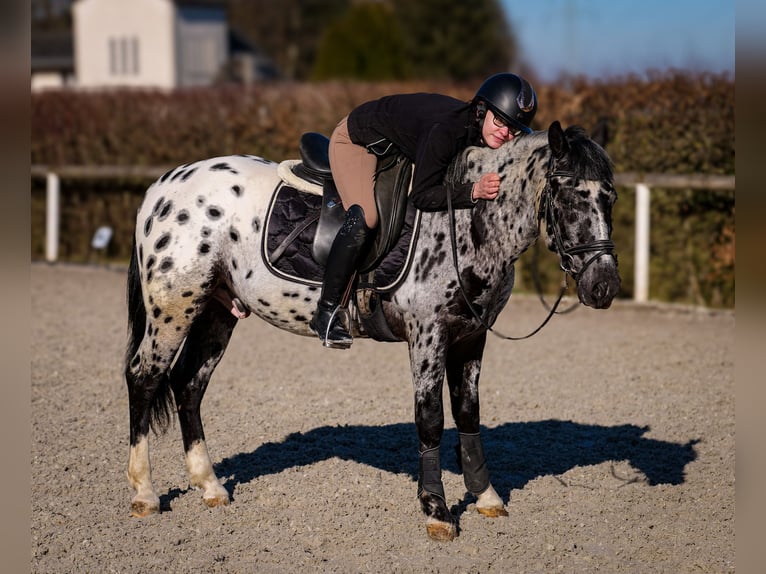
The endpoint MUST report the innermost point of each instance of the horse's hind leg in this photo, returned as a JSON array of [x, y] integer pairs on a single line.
[[154, 336], [463, 369], [205, 344], [150, 402]]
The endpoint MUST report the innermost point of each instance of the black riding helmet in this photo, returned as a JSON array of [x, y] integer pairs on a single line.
[[510, 97]]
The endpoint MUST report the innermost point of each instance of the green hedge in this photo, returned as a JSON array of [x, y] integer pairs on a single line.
[[665, 123]]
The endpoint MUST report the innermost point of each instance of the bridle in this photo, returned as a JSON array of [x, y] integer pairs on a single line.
[[566, 259]]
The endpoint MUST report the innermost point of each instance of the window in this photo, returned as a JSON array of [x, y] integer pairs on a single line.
[[124, 56]]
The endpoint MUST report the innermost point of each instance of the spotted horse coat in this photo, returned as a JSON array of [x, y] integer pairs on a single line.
[[201, 227]]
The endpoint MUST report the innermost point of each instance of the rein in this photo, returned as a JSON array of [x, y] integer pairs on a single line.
[[601, 246]]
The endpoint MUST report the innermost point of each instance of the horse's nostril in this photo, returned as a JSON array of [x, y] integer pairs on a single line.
[[600, 290], [603, 292]]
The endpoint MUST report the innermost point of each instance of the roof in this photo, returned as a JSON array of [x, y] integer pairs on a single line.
[[52, 50]]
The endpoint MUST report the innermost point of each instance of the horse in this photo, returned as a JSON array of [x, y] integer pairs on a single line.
[[201, 230]]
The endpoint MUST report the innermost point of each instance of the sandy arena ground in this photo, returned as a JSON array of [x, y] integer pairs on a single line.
[[609, 435]]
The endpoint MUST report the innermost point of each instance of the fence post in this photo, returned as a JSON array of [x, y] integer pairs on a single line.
[[52, 202], [641, 264]]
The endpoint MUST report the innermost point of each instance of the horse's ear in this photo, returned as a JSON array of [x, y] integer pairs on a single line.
[[600, 133], [557, 140]]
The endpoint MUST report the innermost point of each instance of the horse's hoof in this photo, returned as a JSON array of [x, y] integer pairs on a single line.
[[214, 501], [488, 503], [441, 531], [140, 509], [492, 511]]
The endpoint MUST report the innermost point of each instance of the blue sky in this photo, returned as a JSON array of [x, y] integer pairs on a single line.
[[604, 38]]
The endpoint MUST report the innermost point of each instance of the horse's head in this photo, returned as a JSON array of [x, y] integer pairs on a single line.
[[577, 207]]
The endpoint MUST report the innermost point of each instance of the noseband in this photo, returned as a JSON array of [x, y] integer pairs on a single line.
[[600, 246]]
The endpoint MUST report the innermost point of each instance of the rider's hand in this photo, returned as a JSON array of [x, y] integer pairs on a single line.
[[486, 188]]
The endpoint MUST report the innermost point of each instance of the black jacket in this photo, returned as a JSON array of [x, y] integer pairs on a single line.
[[430, 129]]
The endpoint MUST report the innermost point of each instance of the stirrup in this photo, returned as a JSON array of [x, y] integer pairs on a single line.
[[344, 343], [334, 343]]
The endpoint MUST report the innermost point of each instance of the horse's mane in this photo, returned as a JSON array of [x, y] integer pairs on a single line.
[[586, 158], [457, 168]]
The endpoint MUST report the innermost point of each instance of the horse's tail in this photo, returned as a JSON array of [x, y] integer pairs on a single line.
[[136, 309], [162, 399]]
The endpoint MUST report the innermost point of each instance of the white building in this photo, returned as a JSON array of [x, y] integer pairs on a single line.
[[163, 44]]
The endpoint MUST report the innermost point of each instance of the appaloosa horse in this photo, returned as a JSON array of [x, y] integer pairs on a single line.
[[201, 231]]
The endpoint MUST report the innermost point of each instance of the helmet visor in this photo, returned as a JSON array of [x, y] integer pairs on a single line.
[[501, 120]]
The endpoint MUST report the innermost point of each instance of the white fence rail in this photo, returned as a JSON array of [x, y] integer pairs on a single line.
[[641, 182]]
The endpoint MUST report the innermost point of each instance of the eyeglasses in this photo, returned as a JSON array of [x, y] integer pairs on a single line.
[[501, 123]]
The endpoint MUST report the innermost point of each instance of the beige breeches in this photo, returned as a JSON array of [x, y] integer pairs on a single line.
[[353, 169]]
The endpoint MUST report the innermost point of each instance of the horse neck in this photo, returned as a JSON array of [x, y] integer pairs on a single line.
[[535, 148], [523, 165]]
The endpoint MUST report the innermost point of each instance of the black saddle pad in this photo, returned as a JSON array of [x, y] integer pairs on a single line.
[[291, 208]]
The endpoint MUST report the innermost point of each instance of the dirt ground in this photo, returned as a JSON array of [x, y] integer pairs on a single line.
[[609, 435]]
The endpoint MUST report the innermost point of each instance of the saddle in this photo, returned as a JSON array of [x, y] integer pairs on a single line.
[[306, 213]]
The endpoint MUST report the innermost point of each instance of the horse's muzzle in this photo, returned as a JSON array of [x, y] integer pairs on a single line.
[[599, 284]]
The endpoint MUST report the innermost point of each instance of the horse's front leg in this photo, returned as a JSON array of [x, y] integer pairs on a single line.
[[427, 348], [463, 369]]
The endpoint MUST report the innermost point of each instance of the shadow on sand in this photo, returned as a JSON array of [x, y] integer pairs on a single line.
[[516, 452]]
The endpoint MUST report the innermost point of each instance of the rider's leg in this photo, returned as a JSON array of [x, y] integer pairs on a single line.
[[353, 170], [347, 251]]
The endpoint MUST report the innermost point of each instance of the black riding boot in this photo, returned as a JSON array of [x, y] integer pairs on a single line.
[[348, 249]]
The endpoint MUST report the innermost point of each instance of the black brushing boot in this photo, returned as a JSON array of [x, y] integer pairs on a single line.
[[348, 249]]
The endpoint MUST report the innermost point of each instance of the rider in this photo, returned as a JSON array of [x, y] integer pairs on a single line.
[[430, 130]]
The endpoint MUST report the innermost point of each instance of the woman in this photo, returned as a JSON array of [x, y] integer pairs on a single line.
[[430, 130]]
